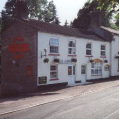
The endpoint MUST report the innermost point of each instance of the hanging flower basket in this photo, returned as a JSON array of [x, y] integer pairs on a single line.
[[74, 60], [46, 60], [105, 61], [91, 60], [56, 60]]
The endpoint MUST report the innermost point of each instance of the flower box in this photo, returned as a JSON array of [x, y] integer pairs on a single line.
[[56, 60], [46, 60], [74, 60]]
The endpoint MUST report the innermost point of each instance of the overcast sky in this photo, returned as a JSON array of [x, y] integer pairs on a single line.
[[66, 9]]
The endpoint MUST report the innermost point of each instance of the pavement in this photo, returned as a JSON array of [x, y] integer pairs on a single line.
[[10, 105]]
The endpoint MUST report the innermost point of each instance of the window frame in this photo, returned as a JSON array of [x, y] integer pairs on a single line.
[[96, 67], [51, 71], [55, 46], [90, 49], [106, 68], [103, 51], [72, 47]]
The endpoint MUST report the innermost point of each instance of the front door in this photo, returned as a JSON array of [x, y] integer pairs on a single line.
[[83, 73], [71, 75]]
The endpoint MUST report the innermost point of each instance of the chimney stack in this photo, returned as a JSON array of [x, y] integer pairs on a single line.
[[96, 19], [21, 10]]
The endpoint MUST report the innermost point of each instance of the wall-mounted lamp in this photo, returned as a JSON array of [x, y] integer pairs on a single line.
[[45, 50]]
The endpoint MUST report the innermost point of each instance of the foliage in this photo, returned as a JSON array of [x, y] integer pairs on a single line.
[[66, 23], [74, 60], [109, 6], [56, 60], [46, 60], [38, 9]]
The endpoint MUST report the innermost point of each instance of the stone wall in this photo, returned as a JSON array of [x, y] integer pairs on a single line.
[[19, 59]]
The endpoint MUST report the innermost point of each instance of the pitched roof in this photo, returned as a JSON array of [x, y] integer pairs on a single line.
[[63, 30], [110, 30]]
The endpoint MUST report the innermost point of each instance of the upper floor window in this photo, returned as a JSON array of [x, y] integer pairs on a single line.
[[54, 45], [102, 50], [71, 48], [88, 49]]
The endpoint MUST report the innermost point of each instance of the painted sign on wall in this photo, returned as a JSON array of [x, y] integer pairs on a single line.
[[43, 80], [18, 49]]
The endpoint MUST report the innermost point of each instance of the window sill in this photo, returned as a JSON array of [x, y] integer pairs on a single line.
[[54, 79], [53, 55], [102, 56], [95, 75], [88, 56], [72, 55]]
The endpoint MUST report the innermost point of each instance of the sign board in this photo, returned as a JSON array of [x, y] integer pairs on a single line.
[[43, 80], [65, 62], [18, 50]]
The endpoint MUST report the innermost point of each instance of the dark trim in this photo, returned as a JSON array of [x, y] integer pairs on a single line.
[[36, 59], [52, 87], [95, 75], [102, 56], [78, 81], [53, 55], [72, 55], [88, 56], [53, 79]]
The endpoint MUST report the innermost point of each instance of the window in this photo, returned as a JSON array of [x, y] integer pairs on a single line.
[[106, 68], [83, 68], [54, 45], [71, 48], [102, 50], [53, 71], [96, 68], [88, 49]]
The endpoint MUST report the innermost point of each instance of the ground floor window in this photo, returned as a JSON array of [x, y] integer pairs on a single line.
[[96, 68], [53, 71], [107, 68]]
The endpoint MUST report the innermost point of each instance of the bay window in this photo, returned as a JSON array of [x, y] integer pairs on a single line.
[[96, 68]]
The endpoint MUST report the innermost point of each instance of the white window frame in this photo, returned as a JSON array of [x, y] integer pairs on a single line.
[[54, 71], [97, 68], [57, 46], [89, 49], [106, 68], [103, 50], [72, 47]]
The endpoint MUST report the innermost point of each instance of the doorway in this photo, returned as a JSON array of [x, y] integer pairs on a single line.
[[83, 73], [71, 75]]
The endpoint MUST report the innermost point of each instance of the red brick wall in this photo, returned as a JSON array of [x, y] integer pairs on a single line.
[[18, 59]]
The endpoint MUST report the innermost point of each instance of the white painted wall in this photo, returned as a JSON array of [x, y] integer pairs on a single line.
[[114, 52], [44, 69]]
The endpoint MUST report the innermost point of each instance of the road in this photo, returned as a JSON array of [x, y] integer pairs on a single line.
[[102, 104]]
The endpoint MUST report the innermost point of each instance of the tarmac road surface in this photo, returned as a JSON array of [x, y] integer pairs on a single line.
[[103, 104]]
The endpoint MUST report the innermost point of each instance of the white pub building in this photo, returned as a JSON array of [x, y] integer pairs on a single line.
[[36, 53]]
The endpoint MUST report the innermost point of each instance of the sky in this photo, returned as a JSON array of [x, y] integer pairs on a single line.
[[66, 9]]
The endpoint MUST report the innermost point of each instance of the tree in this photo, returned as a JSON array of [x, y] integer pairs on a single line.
[[112, 9], [57, 21], [38, 9], [66, 23], [83, 19]]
